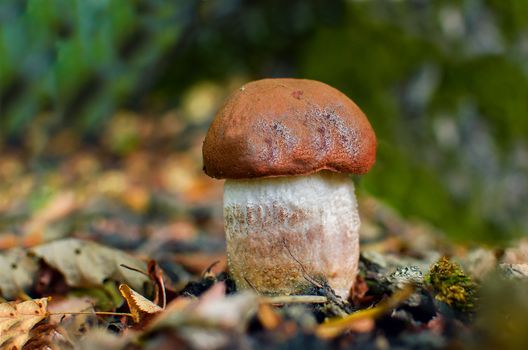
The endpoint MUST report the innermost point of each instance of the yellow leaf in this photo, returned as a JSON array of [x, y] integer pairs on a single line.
[[138, 304], [269, 319], [17, 320]]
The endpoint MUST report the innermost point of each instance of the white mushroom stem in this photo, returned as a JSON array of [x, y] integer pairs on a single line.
[[284, 232]]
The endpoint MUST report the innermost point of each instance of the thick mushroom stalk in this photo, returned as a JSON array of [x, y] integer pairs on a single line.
[[283, 231]]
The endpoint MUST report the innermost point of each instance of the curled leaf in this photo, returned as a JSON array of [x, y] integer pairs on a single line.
[[139, 305]]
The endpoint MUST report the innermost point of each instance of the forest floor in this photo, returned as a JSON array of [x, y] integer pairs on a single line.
[[122, 247]]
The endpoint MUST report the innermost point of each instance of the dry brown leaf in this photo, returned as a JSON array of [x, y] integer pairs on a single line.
[[17, 320], [139, 305]]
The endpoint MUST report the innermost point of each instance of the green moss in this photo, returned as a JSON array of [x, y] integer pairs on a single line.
[[451, 285]]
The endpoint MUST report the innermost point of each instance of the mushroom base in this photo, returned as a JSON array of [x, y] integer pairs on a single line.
[[283, 231]]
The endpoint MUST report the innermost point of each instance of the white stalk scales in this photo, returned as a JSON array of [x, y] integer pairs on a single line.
[[283, 231]]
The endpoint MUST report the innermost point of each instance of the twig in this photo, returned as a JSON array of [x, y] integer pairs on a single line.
[[294, 299], [92, 313], [134, 269]]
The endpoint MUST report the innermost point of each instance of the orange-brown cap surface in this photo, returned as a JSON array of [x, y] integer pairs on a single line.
[[279, 127]]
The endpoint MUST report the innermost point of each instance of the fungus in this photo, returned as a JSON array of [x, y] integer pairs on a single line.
[[286, 148]]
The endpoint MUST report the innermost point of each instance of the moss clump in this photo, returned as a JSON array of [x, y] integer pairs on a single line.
[[451, 285]]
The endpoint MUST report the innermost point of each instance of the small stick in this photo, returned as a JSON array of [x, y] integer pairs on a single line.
[[134, 269], [92, 313], [294, 299]]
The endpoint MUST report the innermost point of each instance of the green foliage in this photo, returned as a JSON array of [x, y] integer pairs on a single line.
[[83, 58], [497, 85], [511, 15], [451, 285]]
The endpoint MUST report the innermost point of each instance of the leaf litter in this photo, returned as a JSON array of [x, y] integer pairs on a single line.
[[150, 220]]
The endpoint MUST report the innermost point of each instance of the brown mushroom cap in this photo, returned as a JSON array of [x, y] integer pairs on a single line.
[[280, 127]]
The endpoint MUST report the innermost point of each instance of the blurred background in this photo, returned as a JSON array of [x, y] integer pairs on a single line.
[[108, 101]]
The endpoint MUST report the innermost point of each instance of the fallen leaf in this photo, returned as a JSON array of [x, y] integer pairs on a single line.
[[139, 305], [49, 337], [17, 272], [212, 309], [88, 264], [17, 320]]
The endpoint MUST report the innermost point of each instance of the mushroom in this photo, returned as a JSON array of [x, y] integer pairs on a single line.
[[286, 148]]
